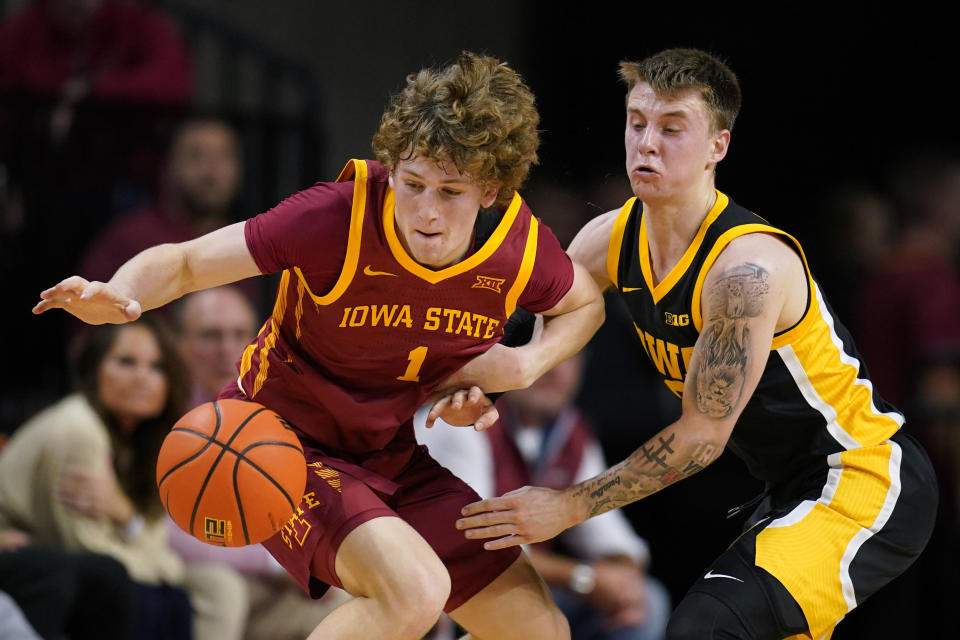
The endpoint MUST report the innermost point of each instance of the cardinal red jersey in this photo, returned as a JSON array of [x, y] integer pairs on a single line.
[[360, 336]]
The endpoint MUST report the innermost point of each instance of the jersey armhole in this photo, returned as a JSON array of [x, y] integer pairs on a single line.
[[783, 337], [616, 242], [356, 169]]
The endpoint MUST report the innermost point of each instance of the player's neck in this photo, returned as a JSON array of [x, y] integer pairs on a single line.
[[672, 224]]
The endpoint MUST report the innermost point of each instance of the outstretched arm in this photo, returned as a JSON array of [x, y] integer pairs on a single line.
[[154, 277], [742, 300]]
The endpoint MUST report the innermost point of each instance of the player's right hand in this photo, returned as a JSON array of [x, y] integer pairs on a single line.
[[92, 302]]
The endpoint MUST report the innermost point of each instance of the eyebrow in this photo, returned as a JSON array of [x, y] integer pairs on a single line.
[[679, 113], [460, 180]]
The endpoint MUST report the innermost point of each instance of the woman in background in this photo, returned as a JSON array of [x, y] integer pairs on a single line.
[[81, 475]]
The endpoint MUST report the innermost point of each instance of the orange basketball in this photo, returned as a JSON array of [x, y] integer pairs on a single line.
[[231, 473]]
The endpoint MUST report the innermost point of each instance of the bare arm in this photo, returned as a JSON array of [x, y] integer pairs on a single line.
[[155, 277], [566, 328], [589, 248], [742, 301]]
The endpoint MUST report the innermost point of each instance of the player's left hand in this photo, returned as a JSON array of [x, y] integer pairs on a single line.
[[464, 408], [522, 516]]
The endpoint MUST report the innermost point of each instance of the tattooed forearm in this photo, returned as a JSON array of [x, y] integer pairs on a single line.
[[657, 454], [655, 465], [738, 295], [596, 493]]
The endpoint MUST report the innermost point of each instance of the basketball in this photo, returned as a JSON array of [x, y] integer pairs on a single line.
[[231, 473]]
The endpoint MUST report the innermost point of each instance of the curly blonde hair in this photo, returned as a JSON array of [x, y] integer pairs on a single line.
[[476, 113]]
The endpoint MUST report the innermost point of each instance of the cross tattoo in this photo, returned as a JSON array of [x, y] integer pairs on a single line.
[[658, 456]]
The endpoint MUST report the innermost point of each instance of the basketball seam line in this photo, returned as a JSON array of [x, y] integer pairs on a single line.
[[203, 487], [241, 457]]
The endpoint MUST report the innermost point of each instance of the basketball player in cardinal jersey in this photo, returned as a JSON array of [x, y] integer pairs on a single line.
[[393, 278]]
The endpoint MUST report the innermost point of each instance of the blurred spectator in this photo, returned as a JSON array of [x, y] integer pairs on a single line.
[[81, 475], [111, 50], [75, 594], [213, 328], [909, 310], [198, 186], [597, 570]]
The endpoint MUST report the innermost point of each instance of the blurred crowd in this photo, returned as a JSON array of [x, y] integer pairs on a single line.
[[102, 156]]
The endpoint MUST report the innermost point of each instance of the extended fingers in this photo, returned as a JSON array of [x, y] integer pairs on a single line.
[[67, 286], [438, 407], [490, 504], [488, 419]]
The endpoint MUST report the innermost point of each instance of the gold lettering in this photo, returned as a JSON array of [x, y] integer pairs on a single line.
[[404, 317], [492, 325], [651, 348], [671, 361], [478, 321], [465, 323], [309, 498], [433, 319], [450, 314], [362, 319], [382, 312], [346, 312]]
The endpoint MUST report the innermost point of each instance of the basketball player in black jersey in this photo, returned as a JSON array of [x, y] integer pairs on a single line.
[[730, 314]]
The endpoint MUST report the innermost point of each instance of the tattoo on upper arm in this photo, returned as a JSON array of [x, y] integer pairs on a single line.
[[736, 297]]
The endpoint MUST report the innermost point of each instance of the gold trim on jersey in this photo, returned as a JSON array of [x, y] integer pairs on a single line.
[[695, 309], [358, 170], [810, 549], [526, 268], [681, 267], [472, 261], [246, 361], [827, 377], [616, 241]]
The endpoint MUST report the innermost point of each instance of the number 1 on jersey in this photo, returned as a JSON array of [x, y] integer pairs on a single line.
[[416, 357]]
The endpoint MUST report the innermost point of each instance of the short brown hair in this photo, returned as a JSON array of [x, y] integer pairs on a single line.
[[676, 70], [476, 112]]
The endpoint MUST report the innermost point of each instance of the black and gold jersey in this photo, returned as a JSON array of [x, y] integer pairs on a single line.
[[814, 397]]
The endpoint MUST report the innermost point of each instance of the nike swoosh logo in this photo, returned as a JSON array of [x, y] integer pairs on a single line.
[[629, 289], [711, 574], [370, 272]]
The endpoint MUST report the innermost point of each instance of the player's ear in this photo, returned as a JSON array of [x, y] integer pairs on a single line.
[[489, 195], [720, 144], [390, 180]]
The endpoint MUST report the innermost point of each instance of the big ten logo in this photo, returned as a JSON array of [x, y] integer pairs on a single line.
[[216, 531], [296, 528], [676, 319]]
